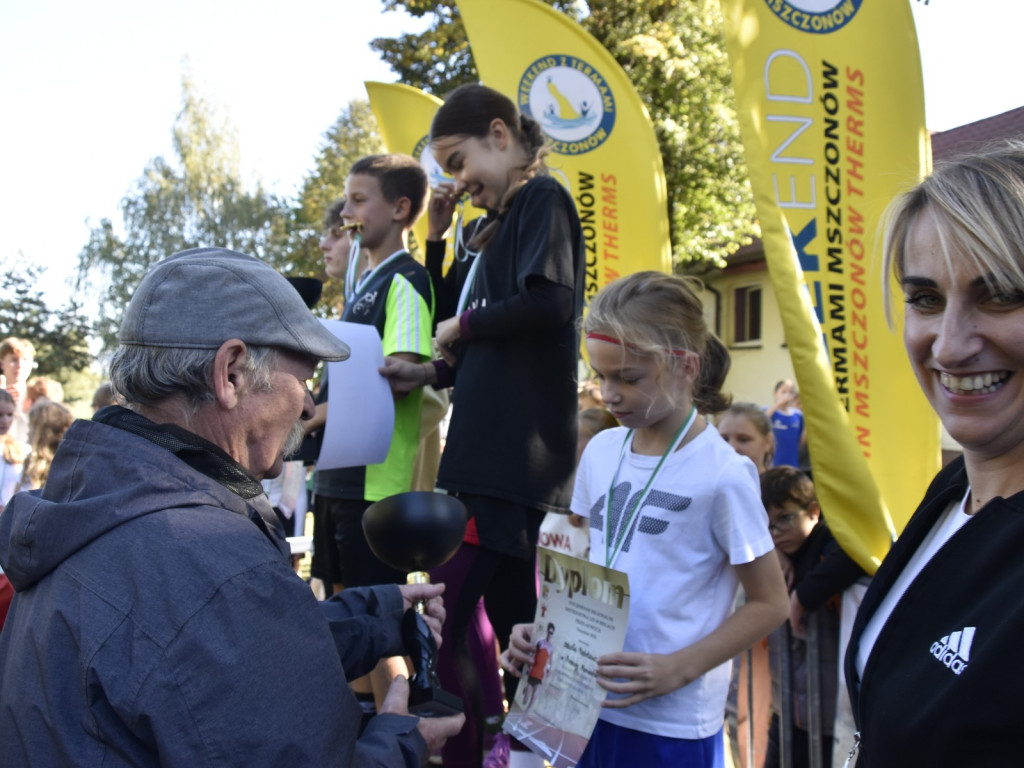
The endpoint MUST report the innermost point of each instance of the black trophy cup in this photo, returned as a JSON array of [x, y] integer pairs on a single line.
[[415, 532]]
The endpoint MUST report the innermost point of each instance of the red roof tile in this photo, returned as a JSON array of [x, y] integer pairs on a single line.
[[976, 135]]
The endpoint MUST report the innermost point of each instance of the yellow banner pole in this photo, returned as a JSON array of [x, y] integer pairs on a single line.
[[832, 111]]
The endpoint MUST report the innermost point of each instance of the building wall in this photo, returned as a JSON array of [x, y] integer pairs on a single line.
[[756, 366]]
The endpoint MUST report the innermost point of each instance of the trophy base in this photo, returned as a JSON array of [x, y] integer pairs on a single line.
[[434, 702]]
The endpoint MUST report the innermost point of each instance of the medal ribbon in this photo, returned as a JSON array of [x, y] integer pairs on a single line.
[[612, 550], [351, 274], [460, 237], [467, 287]]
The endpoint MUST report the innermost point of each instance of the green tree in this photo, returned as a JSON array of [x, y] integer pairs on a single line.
[[438, 60], [60, 335], [352, 136], [674, 53], [199, 200]]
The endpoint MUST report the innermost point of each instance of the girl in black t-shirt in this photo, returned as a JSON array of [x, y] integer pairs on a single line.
[[510, 349]]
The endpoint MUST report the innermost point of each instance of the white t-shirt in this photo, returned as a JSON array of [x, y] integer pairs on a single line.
[[952, 519], [10, 476], [703, 514]]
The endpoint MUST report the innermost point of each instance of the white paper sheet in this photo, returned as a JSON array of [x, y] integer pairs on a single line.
[[361, 410]]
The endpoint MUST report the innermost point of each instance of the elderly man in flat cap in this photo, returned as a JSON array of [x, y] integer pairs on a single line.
[[157, 619]]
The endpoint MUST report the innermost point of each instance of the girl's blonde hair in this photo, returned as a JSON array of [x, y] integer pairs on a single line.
[[47, 423], [13, 450], [978, 203], [659, 316]]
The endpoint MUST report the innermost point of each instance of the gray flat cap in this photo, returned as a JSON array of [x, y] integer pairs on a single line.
[[200, 298]]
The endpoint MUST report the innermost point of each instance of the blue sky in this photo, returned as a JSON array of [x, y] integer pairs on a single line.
[[89, 92]]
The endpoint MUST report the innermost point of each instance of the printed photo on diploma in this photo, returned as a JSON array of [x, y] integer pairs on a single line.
[[581, 615]]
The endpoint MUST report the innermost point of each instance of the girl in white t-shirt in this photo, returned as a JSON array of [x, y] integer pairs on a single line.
[[12, 450], [682, 516]]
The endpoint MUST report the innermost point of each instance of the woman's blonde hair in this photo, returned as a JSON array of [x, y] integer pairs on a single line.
[[977, 200], [660, 315]]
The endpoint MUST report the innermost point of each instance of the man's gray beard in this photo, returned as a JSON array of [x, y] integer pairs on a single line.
[[294, 439]]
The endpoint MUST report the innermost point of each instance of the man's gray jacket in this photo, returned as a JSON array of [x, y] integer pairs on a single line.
[[156, 621]]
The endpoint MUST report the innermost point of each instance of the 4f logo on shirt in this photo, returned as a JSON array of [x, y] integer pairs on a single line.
[[954, 650], [648, 524], [365, 303]]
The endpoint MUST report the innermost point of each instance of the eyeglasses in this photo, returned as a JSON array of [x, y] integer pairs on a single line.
[[783, 523]]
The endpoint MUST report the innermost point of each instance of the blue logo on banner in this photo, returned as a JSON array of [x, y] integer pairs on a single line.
[[815, 16], [571, 100]]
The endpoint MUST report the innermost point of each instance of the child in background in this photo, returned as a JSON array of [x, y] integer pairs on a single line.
[[384, 195], [787, 424], [749, 431], [17, 358], [14, 451], [47, 423], [817, 573], [103, 396], [679, 511], [336, 246], [590, 395], [591, 422], [43, 388]]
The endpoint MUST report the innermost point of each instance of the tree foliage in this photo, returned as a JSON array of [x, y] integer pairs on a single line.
[[352, 136], [60, 336], [674, 53], [438, 60], [199, 200]]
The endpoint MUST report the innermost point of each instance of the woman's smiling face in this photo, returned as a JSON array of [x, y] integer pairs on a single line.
[[965, 340]]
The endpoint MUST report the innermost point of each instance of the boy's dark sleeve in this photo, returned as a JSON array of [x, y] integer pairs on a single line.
[[836, 571]]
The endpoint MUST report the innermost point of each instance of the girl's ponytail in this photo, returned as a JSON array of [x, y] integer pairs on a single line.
[[534, 142], [714, 367]]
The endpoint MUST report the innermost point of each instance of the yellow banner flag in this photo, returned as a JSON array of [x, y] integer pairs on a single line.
[[403, 116], [832, 110], [603, 145]]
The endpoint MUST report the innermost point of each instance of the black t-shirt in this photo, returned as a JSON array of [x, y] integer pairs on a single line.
[[447, 285], [513, 428]]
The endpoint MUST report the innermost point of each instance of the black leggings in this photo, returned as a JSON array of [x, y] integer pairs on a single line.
[[508, 585]]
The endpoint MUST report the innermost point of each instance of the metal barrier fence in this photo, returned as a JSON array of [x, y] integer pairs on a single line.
[[781, 674]]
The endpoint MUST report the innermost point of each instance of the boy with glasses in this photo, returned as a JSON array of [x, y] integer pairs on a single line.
[[817, 571]]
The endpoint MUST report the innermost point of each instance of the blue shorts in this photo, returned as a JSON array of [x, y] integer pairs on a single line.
[[612, 746]]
